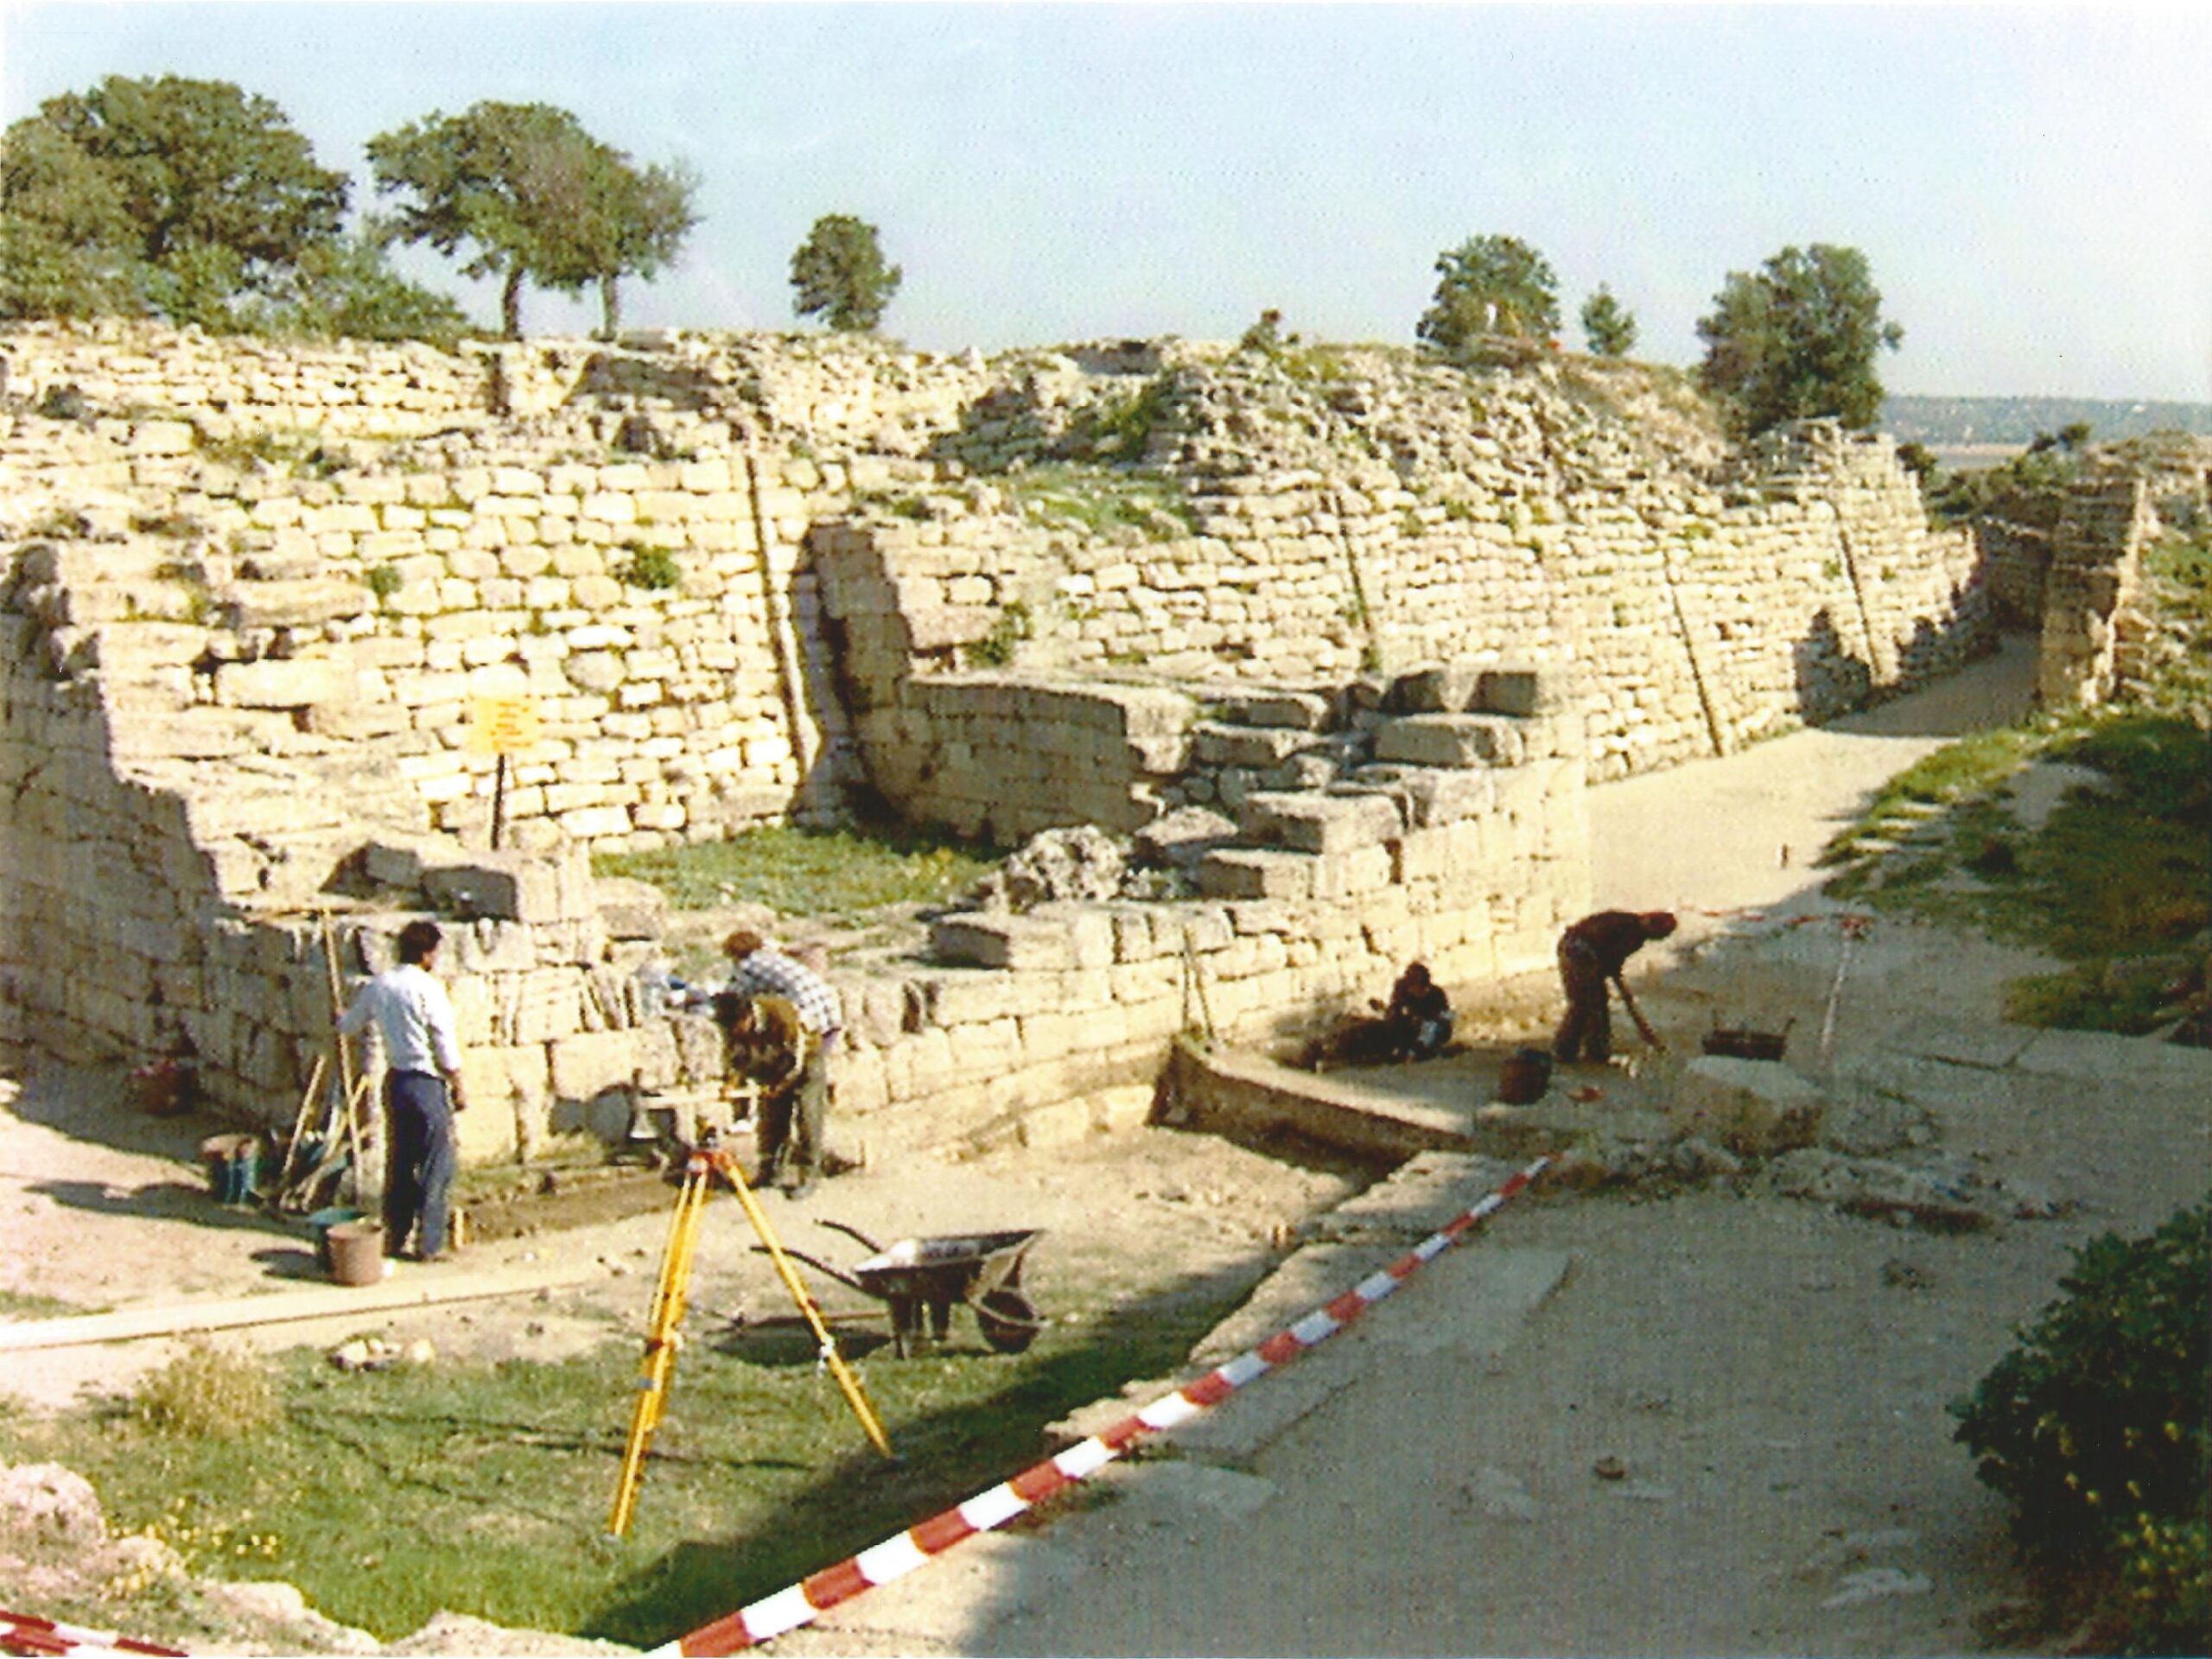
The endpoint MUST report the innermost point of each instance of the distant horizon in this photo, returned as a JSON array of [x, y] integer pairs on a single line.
[[2027, 182]]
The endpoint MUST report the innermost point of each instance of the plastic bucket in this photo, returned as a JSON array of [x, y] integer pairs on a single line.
[[357, 1252], [1524, 1077], [233, 1164], [320, 1223]]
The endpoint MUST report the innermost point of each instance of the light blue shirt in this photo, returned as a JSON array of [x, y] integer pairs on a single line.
[[414, 1020]]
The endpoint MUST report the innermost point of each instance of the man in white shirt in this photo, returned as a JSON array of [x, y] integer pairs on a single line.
[[422, 1089]]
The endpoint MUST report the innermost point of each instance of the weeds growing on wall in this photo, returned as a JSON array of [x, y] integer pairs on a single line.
[[1101, 502], [485, 1488], [655, 568], [799, 872]]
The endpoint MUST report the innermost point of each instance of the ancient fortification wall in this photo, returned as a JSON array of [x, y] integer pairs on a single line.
[[1361, 626]]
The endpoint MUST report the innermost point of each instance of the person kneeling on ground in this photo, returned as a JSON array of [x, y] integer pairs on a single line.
[[1592, 955], [1417, 1020]]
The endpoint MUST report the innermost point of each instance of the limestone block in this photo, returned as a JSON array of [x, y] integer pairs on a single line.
[[632, 909], [586, 1062], [963, 996], [1445, 689], [1451, 740], [307, 603], [1353, 872], [990, 941], [1309, 822], [284, 682], [1254, 873], [1297, 710], [516, 886], [1214, 744], [1755, 1107]]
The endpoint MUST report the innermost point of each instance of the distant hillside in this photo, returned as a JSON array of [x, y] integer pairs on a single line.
[[1937, 421]]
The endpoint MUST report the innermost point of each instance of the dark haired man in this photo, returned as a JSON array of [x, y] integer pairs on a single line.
[[1591, 954], [422, 1089]]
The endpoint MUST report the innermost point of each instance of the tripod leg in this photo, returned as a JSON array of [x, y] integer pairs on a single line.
[[663, 1334], [851, 1384]]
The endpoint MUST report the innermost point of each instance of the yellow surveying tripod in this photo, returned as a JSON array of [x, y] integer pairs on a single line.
[[664, 1333]]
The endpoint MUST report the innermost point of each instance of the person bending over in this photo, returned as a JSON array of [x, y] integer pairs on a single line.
[[1592, 956]]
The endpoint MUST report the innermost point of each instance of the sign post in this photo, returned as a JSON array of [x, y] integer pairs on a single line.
[[501, 726]]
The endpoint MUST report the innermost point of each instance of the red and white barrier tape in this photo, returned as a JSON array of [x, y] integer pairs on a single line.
[[28, 1633], [895, 1557]]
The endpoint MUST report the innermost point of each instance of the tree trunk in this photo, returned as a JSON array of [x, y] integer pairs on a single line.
[[510, 304], [610, 306]]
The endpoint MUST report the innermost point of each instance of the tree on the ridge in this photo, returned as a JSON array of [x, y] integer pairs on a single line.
[[168, 195], [1609, 326], [1489, 285], [838, 274], [533, 197], [1797, 340], [633, 224]]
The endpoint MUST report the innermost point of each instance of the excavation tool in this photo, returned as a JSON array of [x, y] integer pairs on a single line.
[[1636, 1013], [664, 1326], [345, 1078]]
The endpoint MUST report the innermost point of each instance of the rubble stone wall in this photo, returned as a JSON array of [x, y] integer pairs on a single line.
[[735, 576], [2096, 553]]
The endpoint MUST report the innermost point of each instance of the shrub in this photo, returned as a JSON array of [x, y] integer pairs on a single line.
[[383, 581], [2097, 1428], [207, 1394], [651, 567]]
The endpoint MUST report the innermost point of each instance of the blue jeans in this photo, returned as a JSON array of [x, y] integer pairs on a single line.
[[419, 1160]]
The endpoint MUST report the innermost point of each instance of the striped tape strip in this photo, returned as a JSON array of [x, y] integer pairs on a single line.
[[28, 1633], [801, 1603]]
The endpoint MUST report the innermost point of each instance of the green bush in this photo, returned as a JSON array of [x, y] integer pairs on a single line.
[[2097, 1428], [651, 567]]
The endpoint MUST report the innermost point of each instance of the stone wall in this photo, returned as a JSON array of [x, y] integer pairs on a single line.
[[2096, 552], [1377, 621]]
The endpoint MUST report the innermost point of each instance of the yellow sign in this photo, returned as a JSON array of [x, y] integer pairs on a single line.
[[502, 725]]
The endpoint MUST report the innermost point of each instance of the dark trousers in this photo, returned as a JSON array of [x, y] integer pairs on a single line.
[[419, 1160], [791, 1123], [1587, 1031]]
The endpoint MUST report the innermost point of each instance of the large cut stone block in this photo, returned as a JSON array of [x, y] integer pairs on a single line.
[[517, 887], [284, 682], [1459, 741], [1251, 873], [988, 941], [1319, 823]]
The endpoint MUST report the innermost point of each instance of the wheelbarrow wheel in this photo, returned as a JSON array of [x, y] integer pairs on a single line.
[[1008, 1321]]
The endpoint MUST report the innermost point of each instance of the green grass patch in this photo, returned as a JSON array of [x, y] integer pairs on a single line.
[[799, 872], [29, 1305], [485, 1488], [2117, 881]]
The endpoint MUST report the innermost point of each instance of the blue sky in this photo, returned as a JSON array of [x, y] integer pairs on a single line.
[[2032, 186]]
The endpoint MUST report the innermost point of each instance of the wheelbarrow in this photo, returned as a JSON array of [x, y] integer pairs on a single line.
[[919, 1277]]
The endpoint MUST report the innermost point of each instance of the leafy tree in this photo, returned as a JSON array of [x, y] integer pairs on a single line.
[[633, 224], [1798, 341], [347, 288], [840, 275], [169, 193], [1489, 285], [1609, 326], [534, 197]]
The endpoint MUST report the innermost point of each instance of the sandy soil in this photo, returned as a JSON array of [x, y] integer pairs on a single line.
[[1724, 1431]]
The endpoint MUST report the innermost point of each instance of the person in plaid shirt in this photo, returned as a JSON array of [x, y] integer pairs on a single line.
[[792, 1160]]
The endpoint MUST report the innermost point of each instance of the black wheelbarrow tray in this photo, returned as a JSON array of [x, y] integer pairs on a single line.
[[925, 1276]]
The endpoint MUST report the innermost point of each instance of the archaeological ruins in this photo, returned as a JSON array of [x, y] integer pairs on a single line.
[[1339, 636]]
